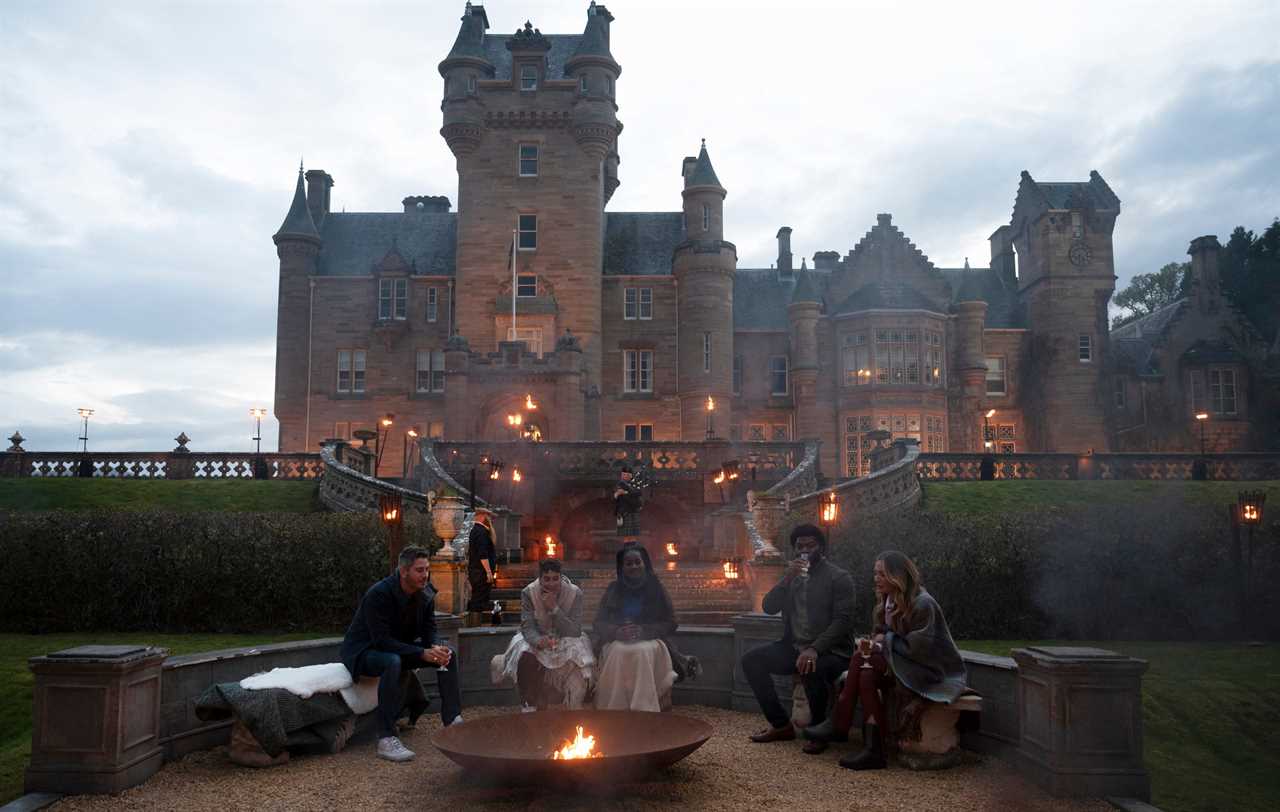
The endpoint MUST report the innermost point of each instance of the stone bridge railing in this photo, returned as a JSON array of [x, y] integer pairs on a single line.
[[1148, 466], [160, 465], [345, 488], [599, 462]]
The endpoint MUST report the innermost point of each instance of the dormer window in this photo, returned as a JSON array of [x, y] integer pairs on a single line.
[[528, 78], [393, 297]]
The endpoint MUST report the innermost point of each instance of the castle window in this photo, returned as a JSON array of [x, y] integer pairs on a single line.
[[933, 358], [706, 218], [526, 285], [471, 85], [582, 84], [737, 374], [1086, 348], [637, 303], [857, 360], [706, 352], [935, 435], [608, 83], [1006, 439], [637, 433], [1195, 387], [1222, 390], [528, 160], [778, 375], [1077, 224], [393, 297], [435, 430], [637, 372], [780, 433], [527, 225], [1119, 390], [755, 433], [433, 306], [429, 375], [531, 336], [528, 78], [996, 383], [351, 370]]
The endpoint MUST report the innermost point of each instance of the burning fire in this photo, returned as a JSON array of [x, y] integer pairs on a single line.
[[515, 475], [581, 747], [671, 549], [551, 547], [730, 570], [528, 402], [719, 477]]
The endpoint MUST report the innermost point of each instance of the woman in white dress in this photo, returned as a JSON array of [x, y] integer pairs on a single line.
[[549, 659]]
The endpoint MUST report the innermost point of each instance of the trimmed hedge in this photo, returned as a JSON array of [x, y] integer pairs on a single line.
[[70, 571], [1161, 570]]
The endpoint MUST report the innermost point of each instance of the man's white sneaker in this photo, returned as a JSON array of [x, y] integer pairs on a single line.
[[391, 749], [457, 720]]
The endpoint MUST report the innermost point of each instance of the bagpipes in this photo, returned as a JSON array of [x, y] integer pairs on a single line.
[[635, 491]]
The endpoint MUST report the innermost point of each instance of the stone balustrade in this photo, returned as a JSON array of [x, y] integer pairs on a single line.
[[1144, 466], [891, 486], [160, 465], [343, 488]]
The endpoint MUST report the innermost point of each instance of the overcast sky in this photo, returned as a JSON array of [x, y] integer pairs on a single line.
[[148, 151]]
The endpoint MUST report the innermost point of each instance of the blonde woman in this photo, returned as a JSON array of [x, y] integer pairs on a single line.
[[910, 646]]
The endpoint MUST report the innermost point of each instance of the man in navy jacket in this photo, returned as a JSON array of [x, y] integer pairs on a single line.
[[394, 631]]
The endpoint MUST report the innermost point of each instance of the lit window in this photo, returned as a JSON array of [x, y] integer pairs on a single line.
[[638, 433], [1086, 348], [528, 160], [528, 78], [706, 352], [1222, 390], [433, 308], [778, 375], [393, 297], [996, 384], [857, 360], [637, 373], [435, 430], [430, 371], [528, 231], [351, 370], [737, 374], [526, 285]]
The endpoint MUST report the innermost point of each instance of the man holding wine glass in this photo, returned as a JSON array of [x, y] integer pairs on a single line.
[[393, 634], [815, 598]]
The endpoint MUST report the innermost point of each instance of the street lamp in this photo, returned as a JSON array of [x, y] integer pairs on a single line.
[[385, 425], [1249, 506], [257, 414], [84, 434], [1200, 468], [829, 511], [987, 468], [410, 440], [711, 408]]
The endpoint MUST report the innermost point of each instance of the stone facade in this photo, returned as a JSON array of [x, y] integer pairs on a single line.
[[631, 321]]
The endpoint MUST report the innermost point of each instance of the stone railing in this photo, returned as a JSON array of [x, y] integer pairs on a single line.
[[893, 486], [160, 465], [600, 461], [343, 488], [1170, 466], [803, 478], [433, 478]]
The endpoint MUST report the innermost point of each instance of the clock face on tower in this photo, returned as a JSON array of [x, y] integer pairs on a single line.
[[1080, 255]]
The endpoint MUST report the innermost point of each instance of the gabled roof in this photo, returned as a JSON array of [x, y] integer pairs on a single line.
[[1133, 345], [641, 242], [354, 244], [298, 222], [562, 48], [760, 298], [884, 296]]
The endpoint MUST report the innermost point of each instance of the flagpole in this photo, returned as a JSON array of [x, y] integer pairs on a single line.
[[514, 236]]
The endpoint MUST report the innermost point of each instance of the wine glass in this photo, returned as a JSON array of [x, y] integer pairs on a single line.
[[864, 650], [445, 665]]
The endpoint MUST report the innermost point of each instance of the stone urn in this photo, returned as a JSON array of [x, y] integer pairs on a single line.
[[446, 519], [767, 513]]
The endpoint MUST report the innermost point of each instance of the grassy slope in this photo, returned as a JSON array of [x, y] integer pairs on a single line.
[[1009, 495], [140, 494], [16, 682], [1211, 722]]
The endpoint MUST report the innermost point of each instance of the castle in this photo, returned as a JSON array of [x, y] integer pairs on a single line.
[[625, 326]]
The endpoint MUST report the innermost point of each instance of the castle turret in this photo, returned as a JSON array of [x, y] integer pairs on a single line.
[[703, 266], [595, 120], [297, 245], [462, 70]]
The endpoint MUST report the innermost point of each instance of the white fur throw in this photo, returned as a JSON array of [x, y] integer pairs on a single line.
[[319, 679]]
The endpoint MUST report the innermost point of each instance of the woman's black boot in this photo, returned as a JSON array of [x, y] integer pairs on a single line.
[[872, 755]]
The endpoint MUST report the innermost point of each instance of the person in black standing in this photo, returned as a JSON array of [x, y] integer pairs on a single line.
[[394, 633], [627, 501], [482, 561]]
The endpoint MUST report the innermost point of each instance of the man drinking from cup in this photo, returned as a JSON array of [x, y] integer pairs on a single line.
[[815, 598]]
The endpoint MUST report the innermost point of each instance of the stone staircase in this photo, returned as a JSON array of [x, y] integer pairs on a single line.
[[701, 594]]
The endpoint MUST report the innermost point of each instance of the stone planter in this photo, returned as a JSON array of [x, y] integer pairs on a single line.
[[446, 518]]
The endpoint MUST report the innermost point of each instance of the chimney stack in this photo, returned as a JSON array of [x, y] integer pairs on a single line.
[[318, 184], [826, 260], [426, 204], [784, 252], [1205, 290]]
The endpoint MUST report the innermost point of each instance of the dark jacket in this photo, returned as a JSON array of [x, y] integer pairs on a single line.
[[378, 624], [830, 607], [480, 546], [657, 619]]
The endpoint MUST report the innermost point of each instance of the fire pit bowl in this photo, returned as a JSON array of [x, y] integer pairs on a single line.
[[518, 747]]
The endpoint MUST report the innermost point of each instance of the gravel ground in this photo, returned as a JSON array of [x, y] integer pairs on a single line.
[[726, 773]]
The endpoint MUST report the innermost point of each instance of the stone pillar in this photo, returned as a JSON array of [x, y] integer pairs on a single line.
[[750, 631], [1080, 721], [763, 575], [450, 581], [96, 719]]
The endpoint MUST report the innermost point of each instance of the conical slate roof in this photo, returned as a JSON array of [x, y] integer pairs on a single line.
[[298, 222], [470, 41], [804, 291], [703, 173], [595, 40]]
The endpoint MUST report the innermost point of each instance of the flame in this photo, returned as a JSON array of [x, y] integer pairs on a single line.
[[711, 404], [730, 570], [528, 402], [671, 549], [719, 477], [515, 419], [1250, 513], [551, 547], [581, 747], [515, 475], [390, 515]]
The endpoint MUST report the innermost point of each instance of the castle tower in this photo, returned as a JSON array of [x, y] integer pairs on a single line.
[[532, 122], [703, 266], [1066, 275], [297, 244]]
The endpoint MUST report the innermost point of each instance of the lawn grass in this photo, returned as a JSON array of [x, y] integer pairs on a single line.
[[1032, 495], [1211, 722], [16, 681], [187, 495]]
